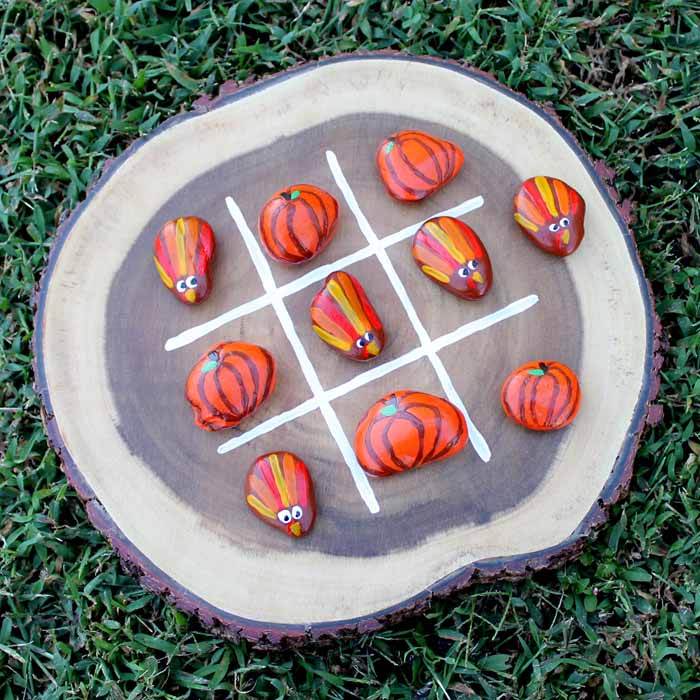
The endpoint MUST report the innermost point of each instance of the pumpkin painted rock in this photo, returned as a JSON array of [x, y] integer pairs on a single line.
[[413, 164], [279, 491], [451, 254], [550, 214], [228, 384], [343, 317], [183, 251], [408, 429], [541, 396], [297, 223]]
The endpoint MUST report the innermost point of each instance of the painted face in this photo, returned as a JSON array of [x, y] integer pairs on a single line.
[[182, 254], [550, 213], [343, 317], [451, 254], [280, 492]]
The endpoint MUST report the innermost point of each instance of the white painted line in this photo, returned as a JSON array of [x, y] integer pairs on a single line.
[[263, 268], [476, 438], [320, 273], [382, 370], [267, 426]]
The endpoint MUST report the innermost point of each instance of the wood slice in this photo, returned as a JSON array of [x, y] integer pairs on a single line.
[[157, 486]]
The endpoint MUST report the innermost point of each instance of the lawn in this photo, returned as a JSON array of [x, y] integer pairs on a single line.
[[80, 80]]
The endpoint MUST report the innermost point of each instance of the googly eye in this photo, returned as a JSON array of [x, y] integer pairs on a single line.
[[463, 271], [284, 516], [297, 512], [472, 265], [181, 286], [564, 222], [361, 342], [554, 227], [191, 282]]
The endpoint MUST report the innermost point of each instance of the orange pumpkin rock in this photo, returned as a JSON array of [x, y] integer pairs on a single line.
[[343, 317], [279, 491], [183, 250], [451, 254], [408, 429], [550, 213], [228, 384], [541, 395], [297, 223], [413, 164]]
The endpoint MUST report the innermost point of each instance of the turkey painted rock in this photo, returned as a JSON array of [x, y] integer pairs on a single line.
[[280, 492], [452, 255], [413, 165], [541, 395], [408, 429], [297, 223], [183, 251], [229, 383], [550, 213], [344, 318]]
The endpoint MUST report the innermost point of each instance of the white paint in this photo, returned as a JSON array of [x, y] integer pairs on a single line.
[[476, 438], [192, 334], [268, 281]]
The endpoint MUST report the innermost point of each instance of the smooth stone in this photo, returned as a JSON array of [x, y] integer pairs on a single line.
[[451, 254], [344, 318], [541, 395], [280, 492], [550, 213]]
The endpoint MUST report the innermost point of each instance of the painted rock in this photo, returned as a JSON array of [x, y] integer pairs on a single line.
[[183, 250], [408, 429], [279, 491], [541, 396], [550, 214], [228, 384], [297, 223], [451, 254], [413, 164], [343, 317]]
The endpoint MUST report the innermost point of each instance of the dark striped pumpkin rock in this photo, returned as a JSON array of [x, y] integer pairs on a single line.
[[228, 384], [297, 223], [279, 490], [541, 396], [413, 165], [408, 429], [183, 251]]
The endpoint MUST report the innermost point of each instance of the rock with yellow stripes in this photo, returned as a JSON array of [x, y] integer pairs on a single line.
[[183, 252], [550, 213], [452, 255], [279, 490], [343, 317]]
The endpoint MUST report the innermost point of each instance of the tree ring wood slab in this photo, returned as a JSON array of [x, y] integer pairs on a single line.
[[172, 505]]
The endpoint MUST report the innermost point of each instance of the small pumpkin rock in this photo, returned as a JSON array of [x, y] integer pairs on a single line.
[[228, 384], [451, 254], [541, 395], [413, 165], [183, 251], [297, 223], [343, 317], [550, 213], [280, 492], [408, 429]]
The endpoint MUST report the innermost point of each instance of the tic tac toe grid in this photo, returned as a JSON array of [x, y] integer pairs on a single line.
[[321, 399]]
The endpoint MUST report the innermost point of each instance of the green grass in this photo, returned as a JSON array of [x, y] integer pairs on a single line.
[[80, 80]]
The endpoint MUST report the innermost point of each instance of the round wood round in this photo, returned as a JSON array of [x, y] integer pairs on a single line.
[[113, 349]]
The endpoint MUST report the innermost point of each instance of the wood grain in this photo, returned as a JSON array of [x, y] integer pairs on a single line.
[[174, 508]]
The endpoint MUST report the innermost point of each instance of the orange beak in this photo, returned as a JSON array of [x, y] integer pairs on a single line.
[[477, 277], [373, 348], [295, 529], [565, 236], [190, 296]]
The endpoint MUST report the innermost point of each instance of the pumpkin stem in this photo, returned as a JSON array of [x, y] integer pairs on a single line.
[[390, 408], [543, 367], [213, 362]]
